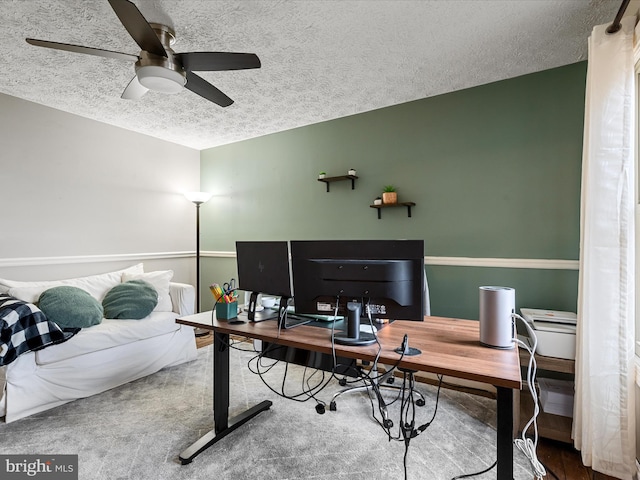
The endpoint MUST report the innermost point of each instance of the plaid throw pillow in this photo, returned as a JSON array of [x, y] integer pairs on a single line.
[[24, 328]]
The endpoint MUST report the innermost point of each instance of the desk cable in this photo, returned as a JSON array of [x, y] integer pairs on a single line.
[[527, 445], [407, 429], [308, 391], [370, 379], [261, 370], [406, 424], [282, 312], [524, 444]]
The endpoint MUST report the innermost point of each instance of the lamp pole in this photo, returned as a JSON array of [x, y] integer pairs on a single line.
[[198, 198], [197, 257]]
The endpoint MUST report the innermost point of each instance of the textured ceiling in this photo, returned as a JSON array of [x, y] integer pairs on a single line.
[[321, 59]]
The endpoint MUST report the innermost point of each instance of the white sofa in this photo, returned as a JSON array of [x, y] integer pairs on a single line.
[[99, 357]]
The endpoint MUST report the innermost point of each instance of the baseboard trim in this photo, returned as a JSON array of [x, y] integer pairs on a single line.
[[528, 263]]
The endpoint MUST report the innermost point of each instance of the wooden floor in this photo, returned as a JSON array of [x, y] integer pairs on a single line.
[[561, 459], [204, 340], [563, 462]]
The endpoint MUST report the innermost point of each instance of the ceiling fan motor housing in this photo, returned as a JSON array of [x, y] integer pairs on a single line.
[[158, 73]]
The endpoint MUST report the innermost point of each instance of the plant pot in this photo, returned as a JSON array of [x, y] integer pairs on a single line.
[[390, 197], [321, 175], [377, 201], [352, 172]]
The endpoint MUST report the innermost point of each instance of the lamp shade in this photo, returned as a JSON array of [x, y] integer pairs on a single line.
[[198, 197]]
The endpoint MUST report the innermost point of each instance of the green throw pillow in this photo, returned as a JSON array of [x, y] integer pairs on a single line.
[[70, 307], [134, 299]]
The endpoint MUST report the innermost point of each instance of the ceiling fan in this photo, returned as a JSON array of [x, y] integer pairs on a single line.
[[158, 67]]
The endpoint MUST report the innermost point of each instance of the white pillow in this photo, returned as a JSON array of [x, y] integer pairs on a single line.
[[160, 281], [96, 285]]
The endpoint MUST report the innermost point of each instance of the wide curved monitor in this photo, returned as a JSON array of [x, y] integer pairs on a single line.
[[378, 279]]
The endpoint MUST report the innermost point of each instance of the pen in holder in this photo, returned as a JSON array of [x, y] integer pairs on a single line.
[[216, 290], [226, 303]]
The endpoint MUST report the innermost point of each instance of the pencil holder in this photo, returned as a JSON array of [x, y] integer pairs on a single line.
[[225, 311]]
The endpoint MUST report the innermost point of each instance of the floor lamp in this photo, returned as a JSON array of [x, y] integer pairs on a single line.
[[198, 198]]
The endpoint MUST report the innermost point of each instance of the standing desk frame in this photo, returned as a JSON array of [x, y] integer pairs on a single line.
[[450, 347]]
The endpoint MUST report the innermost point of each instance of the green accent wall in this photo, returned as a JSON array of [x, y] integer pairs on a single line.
[[494, 172]]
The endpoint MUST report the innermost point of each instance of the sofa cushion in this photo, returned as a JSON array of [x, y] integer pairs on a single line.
[[110, 334], [96, 285], [160, 280], [133, 300], [70, 307]]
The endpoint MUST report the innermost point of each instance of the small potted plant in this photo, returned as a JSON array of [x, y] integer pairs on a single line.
[[352, 171], [377, 201], [322, 174], [389, 194]]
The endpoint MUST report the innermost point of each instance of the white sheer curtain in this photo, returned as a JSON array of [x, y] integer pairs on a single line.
[[604, 410]]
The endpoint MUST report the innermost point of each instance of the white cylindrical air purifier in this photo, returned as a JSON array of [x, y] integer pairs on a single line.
[[497, 304]]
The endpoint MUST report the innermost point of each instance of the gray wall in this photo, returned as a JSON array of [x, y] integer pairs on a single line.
[[80, 197], [494, 171]]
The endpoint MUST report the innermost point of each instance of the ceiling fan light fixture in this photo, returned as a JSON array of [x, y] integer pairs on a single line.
[[160, 79]]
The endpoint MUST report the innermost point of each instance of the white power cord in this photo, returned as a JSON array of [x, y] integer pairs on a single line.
[[527, 445]]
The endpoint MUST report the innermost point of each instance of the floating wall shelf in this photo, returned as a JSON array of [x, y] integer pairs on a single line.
[[328, 180], [391, 205]]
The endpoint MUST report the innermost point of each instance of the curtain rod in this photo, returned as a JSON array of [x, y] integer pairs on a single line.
[[615, 26]]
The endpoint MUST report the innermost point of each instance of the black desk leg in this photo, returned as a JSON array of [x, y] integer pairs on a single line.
[[505, 433], [222, 425]]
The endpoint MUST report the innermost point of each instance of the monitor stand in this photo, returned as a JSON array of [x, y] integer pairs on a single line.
[[353, 336], [266, 314], [288, 320]]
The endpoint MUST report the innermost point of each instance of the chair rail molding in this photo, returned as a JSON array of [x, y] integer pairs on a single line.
[[534, 263], [530, 263], [71, 259]]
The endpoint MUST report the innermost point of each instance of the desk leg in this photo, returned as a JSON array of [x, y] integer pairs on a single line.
[[222, 424], [505, 433]]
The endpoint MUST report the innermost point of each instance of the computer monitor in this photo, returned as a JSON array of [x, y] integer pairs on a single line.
[[383, 279], [263, 267]]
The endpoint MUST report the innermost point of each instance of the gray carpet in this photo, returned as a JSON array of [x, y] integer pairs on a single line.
[[137, 431]]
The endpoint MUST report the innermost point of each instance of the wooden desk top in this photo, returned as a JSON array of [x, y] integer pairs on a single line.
[[449, 346]]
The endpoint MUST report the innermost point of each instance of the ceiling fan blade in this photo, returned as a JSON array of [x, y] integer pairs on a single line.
[[138, 27], [134, 90], [203, 88], [218, 61], [80, 49]]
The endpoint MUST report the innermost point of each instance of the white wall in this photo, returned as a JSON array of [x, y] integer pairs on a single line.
[[80, 197]]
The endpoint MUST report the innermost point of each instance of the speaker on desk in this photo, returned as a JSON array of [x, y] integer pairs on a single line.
[[497, 304]]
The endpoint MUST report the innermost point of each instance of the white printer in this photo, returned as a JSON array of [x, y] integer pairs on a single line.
[[556, 332]]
